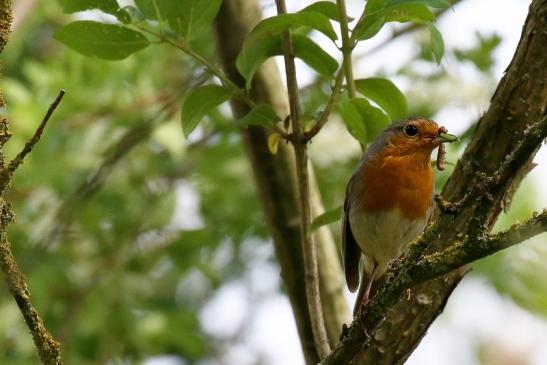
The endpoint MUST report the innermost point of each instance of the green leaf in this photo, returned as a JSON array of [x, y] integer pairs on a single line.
[[278, 24], [188, 18], [436, 44], [106, 41], [198, 103], [417, 13], [264, 41], [262, 115], [156, 9], [431, 3], [73, 6], [193, 16], [384, 93], [374, 119], [370, 26], [353, 120], [254, 54], [330, 216], [313, 55], [326, 8], [363, 120], [374, 5], [401, 13]]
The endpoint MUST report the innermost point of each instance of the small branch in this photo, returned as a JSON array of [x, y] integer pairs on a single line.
[[18, 160], [308, 246], [347, 47], [324, 117], [469, 250]]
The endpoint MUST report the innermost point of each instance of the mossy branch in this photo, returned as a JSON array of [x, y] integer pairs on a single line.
[[495, 161], [48, 348]]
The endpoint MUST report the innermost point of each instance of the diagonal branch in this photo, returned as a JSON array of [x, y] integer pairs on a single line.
[[7, 174], [501, 150]]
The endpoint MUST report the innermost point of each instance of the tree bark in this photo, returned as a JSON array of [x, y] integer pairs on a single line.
[[276, 184], [520, 101]]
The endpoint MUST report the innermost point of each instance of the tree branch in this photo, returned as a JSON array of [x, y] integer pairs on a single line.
[[500, 153], [277, 184], [472, 249], [301, 158], [324, 116], [48, 348], [7, 174]]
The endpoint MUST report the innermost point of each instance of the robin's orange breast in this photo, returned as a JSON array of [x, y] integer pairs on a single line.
[[398, 182]]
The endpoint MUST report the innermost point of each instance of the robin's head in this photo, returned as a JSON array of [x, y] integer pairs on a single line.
[[411, 136]]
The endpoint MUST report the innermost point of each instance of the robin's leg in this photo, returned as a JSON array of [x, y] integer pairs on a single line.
[[364, 290], [369, 285]]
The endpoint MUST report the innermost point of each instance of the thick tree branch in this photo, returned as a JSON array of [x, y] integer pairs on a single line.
[[498, 157]]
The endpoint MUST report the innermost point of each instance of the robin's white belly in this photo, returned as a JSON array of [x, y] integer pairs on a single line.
[[384, 236]]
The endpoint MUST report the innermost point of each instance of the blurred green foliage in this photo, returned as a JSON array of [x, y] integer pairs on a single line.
[[103, 231]]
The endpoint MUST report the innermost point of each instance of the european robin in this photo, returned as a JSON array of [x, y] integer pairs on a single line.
[[389, 200]]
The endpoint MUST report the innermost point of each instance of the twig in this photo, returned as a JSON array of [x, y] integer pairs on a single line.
[[347, 47], [18, 160], [308, 245], [324, 117]]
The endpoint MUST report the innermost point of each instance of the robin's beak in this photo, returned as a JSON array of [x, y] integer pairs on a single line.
[[445, 137]]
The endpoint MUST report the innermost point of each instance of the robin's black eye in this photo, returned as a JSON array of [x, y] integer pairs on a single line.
[[411, 130]]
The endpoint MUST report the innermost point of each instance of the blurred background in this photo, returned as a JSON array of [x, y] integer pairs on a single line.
[[141, 247]]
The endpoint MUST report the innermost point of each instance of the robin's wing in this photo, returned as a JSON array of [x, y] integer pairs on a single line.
[[350, 249]]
